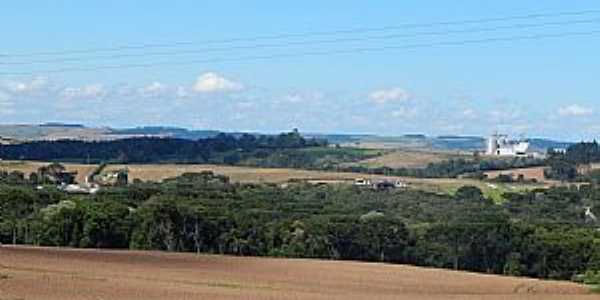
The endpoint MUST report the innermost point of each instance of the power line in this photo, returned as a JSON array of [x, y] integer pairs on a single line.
[[308, 53], [318, 42], [305, 34]]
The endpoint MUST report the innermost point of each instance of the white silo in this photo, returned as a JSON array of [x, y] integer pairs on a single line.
[[492, 145]]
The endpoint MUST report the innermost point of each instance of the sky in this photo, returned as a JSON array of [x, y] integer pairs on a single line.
[[378, 67]]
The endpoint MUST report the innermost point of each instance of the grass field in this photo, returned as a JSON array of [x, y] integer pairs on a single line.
[[53, 274]]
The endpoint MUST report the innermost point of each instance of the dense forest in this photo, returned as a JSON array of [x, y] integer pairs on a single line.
[[544, 233], [222, 148], [565, 165]]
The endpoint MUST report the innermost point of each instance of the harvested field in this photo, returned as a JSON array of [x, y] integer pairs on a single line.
[[274, 175], [53, 274], [411, 159], [159, 172]]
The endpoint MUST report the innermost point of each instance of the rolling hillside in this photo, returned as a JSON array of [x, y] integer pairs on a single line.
[[53, 274]]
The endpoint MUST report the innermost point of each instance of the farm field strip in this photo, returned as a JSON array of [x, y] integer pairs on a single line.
[[49, 273], [159, 172]]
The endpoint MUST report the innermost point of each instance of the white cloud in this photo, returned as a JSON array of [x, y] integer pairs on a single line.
[[404, 112], [506, 114], [469, 113], [88, 92], [154, 89], [293, 98], [574, 110], [6, 106], [303, 97], [181, 92], [4, 97], [389, 95], [212, 82], [23, 87]]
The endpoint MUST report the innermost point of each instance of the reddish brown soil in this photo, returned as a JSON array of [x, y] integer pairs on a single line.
[[43, 273], [536, 173]]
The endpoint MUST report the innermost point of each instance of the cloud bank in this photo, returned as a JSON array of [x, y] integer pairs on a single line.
[[216, 101]]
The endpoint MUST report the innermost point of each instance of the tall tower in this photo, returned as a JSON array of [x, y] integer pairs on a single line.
[[492, 144]]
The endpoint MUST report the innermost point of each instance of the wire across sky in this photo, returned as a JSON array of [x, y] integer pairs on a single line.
[[497, 29]]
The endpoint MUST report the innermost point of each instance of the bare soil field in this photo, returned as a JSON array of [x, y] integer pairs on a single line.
[[536, 173], [53, 274]]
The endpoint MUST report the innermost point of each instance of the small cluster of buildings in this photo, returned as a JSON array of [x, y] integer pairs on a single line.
[[379, 184], [382, 184], [95, 182], [7, 141], [501, 145]]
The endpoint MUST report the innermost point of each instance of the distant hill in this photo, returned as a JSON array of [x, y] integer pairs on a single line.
[[62, 131], [544, 144], [58, 124], [175, 132], [52, 131]]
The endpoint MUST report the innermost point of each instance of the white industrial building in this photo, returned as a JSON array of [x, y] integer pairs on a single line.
[[501, 145]]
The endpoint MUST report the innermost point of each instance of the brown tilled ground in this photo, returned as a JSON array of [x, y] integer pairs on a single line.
[[536, 173], [49, 274]]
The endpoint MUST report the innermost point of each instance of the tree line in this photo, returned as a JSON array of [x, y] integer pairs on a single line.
[[565, 165], [452, 168], [222, 148], [544, 233]]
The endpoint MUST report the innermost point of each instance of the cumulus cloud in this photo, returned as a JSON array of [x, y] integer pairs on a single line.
[[303, 97], [294, 98], [505, 114], [574, 110], [404, 112], [212, 82], [389, 95], [154, 89], [469, 113], [88, 92], [181, 92], [24, 87]]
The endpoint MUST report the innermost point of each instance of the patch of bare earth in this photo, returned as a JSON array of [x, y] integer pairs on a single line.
[[536, 173], [44, 273]]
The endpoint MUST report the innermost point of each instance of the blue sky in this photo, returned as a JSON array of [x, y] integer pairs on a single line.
[[544, 87]]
